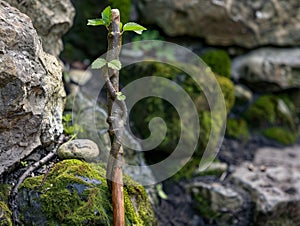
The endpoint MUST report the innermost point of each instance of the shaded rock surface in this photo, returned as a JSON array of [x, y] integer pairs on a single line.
[[268, 69], [216, 201], [51, 19], [243, 23], [82, 149], [273, 183], [31, 89]]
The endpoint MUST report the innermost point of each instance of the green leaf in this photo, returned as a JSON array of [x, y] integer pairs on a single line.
[[121, 96], [98, 63], [96, 22], [160, 192], [106, 15], [67, 118], [121, 26], [131, 26], [115, 64]]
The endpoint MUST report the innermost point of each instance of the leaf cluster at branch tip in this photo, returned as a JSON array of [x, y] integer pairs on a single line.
[[106, 15]]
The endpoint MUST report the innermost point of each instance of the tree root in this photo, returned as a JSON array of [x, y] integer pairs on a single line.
[[14, 192]]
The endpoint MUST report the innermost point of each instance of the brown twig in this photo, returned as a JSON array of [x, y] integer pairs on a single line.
[[116, 121], [36, 165]]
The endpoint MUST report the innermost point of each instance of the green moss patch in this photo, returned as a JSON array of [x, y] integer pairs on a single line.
[[275, 117], [227, 88], [76, 193], [219, 62], [237, 129], [281, 135], [5, 215]]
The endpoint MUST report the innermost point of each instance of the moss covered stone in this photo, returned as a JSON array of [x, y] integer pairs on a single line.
[[275, 117], [219, 62], [237, 129], [227, 88], [76, 193], [5, 215], [281, 135]]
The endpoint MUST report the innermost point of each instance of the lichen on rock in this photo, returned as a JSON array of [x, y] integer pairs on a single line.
[[75, 193]]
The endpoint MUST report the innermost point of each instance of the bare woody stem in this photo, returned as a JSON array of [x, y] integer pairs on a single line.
[[116, 119]]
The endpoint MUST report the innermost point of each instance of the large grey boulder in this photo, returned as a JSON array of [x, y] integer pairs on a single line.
[[31, 89], [273, 181], [51, 19], [245, 23], [268, 69]]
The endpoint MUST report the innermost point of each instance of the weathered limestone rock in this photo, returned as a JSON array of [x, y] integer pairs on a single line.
[[51, 19], [82, 149], [31, 89], [244, 23], [268, 69], [215, 201], [273, 181]]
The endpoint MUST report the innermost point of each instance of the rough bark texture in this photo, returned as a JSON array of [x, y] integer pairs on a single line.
[[227, 22], [31, 89], [115, 121]]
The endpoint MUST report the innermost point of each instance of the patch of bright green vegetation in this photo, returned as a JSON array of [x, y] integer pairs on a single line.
[[4, 192], [69, 127], [237, 129], [262, 112], [219, 62], [267, 111], [5, 215], [76, 193], [281, 135], [227, 88]]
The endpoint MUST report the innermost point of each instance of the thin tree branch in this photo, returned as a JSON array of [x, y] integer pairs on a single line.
[[116, 120]]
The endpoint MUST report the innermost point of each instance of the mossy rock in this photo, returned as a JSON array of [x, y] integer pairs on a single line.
[[269, 110], [237, 129], [227, 88], [5, 215], [76, 193], [4, 192], [281, 135], [219, 62], [275, 117]]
